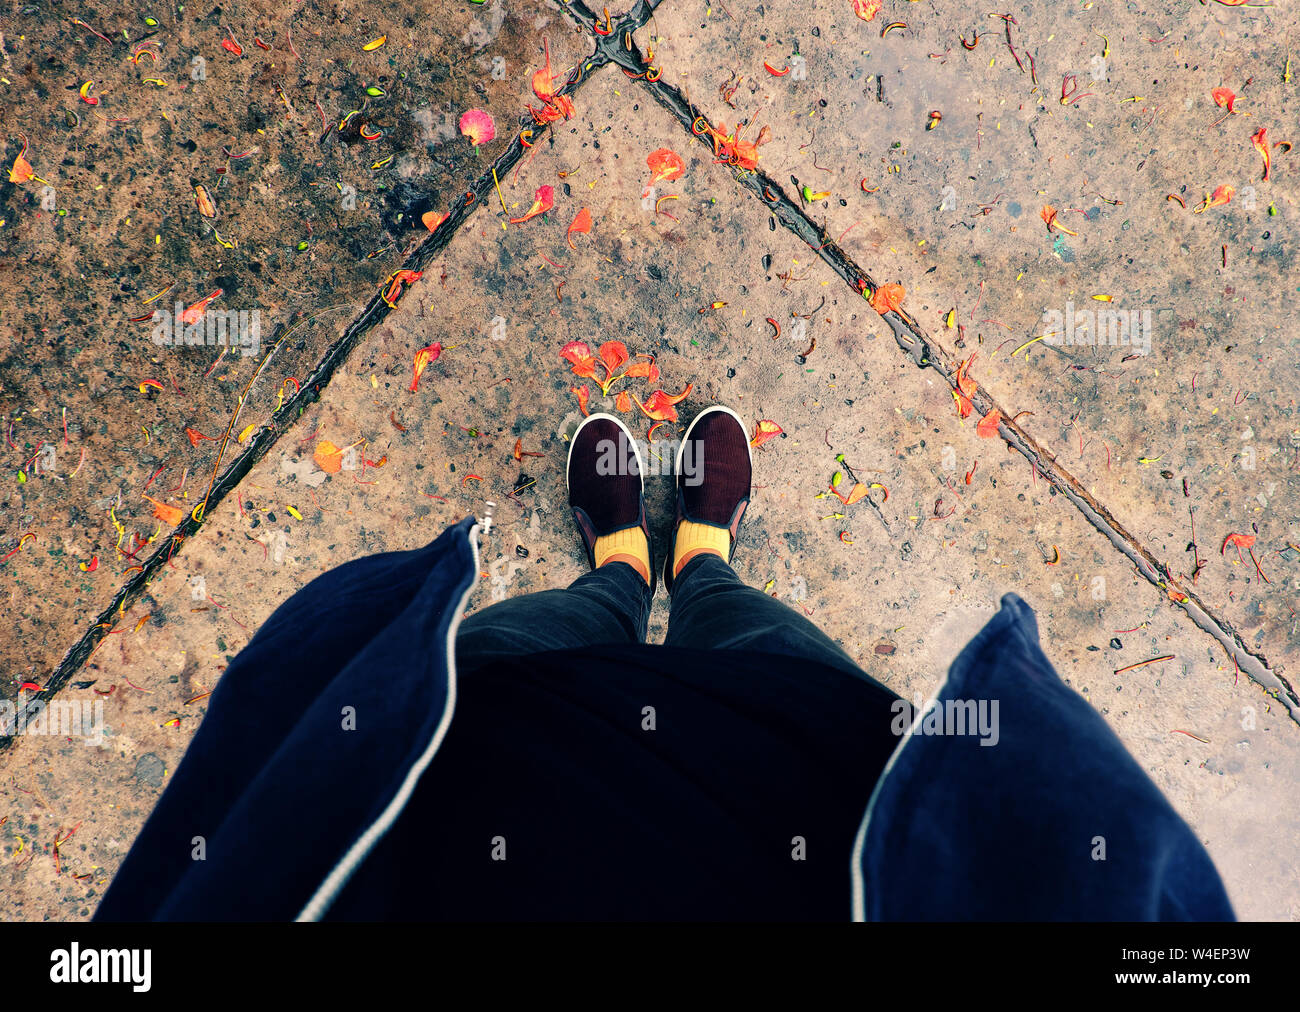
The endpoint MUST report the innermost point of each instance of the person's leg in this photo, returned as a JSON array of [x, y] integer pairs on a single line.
[[611, 604], [608, 605], [711, 607]]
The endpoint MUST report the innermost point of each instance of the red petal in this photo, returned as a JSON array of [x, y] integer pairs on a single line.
[[543, 81], [1260, 139], [678, 398], [582, 223], [766, 429], [964, 383], [543, 201], [614, 355], [1237, 541], [888, 298], [577, 352], [646, 369], [659, 407], [1223, 97], [866, 9], [477, 126], [423, 358], [584, 362], [988, 425], [665, 164]]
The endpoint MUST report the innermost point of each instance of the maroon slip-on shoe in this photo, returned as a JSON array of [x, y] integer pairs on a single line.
[[606, 484], [715, 470]]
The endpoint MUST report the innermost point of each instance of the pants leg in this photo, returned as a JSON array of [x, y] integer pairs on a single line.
[[608, 605], [713, 610]]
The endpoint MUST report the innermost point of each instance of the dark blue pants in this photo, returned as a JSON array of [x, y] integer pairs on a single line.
[[711, 610]]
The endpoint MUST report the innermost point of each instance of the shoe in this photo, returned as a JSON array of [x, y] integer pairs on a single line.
[[607, 491], [712, 498]]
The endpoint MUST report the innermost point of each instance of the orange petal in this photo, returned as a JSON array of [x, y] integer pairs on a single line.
[[519, 449], [1223, 98], [583, 395], [659, 407], [888, 298], [988, 425], [1221, 195], [665, 164], [766, 429], [866, 9], [1048, 215], [423, 358], [543, 84], [1260, 139], [678, 398], [1237, 541], [623, 402], [543, 201], [206, 207], [582, 223], [859, 490], [328, 457], [964, 383], [746, 154], [432, 219], [543, 80], [195, 313], [167, 514], [22, 170], [646, 369], [613, 354], [579, 354]]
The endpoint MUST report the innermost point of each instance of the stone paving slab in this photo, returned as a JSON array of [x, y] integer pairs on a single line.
[[1213, 402], [308, 220]]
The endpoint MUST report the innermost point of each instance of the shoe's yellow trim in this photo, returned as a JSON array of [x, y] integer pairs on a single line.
[[628, 546], [696, 538]]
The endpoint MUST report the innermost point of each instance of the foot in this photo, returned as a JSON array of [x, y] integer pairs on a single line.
[[606, 493], [714, 473]]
